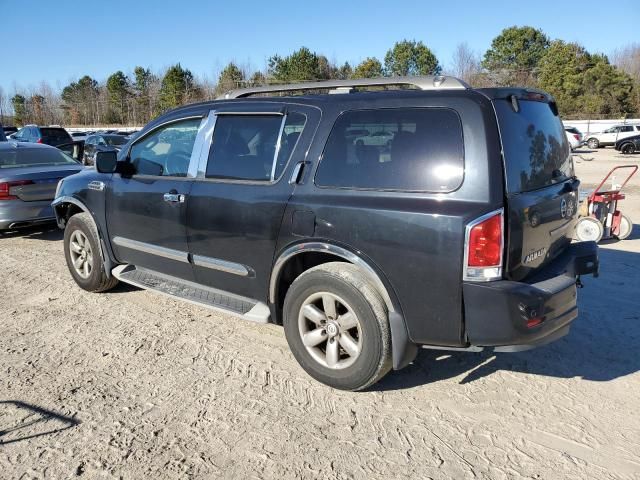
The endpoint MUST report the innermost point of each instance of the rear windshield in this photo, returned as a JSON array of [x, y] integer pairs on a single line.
[[536, 152], [33, 157], [114, 139], [55, 134]]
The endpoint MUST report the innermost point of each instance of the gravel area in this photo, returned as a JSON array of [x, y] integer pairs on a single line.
[[129, 384]]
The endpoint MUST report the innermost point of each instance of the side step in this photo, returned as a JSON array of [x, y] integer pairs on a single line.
[[244, 307]]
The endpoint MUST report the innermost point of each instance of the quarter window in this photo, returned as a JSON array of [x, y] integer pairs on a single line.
[[410, 149], [166, 151], [253, 147]]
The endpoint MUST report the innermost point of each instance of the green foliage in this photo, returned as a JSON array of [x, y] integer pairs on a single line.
[[19, 104], [303, 64], [118, 89], [582, 82], [230, 78], [370, 67], [143, 81], [411, 58], [80, 100], [516, 48], [344, 72], [177, 87]]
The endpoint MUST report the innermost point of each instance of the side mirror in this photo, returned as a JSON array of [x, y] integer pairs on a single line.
[[106, 162]]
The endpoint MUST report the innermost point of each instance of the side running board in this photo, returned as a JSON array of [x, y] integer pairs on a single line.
[[246, 308]]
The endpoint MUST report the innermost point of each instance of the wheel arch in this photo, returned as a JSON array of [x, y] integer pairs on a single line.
[[65, 207], [298, 258]]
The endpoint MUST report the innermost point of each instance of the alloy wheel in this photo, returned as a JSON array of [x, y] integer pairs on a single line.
[[81, 253]]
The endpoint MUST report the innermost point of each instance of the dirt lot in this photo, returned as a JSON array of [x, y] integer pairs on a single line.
[[133, 385]]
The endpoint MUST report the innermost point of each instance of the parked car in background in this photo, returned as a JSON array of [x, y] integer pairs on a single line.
[[574, 136], [8, 130], [610, 136], [29, 174], [79, 136], [101, 143], [264, 207], [3, 138], [628, 145], [48, 135]]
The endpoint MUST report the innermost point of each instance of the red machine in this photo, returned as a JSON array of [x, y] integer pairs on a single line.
[[600, 217]]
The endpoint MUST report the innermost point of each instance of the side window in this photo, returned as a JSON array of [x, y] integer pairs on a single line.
[[167, 150], [244, 147], [626, 128], [410, 149]]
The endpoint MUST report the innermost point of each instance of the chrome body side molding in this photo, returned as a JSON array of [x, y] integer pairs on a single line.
[[152, 249], [222, 265], [334, 250]]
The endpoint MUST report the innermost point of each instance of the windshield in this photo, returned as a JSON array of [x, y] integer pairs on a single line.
[[536, 152], [34, 157]]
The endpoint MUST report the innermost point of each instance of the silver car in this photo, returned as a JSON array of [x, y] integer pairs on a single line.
[[29, 175]]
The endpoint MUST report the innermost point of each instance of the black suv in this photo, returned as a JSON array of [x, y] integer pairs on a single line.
[[368, 223], [54, 136]]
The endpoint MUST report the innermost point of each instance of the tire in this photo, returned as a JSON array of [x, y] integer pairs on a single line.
[[628, 148], [593, 143], [82, 247], [360, 318], [626, 227], [589, 229]]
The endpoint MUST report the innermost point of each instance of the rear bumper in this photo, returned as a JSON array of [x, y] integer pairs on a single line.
[[496, 313], [17, 214]]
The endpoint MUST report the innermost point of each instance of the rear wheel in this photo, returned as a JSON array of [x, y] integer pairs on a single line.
[[337, 327], [626, 226], [589, 229], [628, 148], [593, 143], [84, 256]]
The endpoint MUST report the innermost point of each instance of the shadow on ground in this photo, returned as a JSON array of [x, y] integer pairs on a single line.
[[602, 345], [34, 422], [49, 232]]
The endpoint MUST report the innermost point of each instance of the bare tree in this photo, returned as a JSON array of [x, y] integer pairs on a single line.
[[628, 60], [465, 63]]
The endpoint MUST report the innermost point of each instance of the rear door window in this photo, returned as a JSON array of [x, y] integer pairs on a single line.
[[535, 147], [56, 135], [405, 149], [253, 147]]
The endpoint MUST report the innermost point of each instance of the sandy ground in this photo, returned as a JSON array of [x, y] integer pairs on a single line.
[[134, 385]]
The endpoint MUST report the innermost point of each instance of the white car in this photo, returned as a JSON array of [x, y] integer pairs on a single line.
[[574, 137], [611, 135]]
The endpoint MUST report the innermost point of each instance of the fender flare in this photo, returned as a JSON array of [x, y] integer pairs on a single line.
[[403, 349], [106, 259]]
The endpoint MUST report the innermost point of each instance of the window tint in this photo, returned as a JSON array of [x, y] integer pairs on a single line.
[[627, 128], [413, 149], [536, 152], [244, 147], [55, 134], [166, 151]]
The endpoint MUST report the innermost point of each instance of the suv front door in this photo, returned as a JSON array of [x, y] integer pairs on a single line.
[[239, 196], [146, 211]]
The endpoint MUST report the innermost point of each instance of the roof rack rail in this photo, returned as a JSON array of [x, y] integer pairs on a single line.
[[422, 82]]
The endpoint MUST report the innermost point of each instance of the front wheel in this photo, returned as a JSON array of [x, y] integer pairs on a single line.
[[625, 228], [337, 326], [593, 143], [589, 229], [84, 256]]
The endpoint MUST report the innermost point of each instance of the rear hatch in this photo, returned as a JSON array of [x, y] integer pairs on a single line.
[[541, 187]]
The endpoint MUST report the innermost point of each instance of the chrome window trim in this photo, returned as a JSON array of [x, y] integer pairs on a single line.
[[467, 233], [144, 247], [278, 144], [290, 252]]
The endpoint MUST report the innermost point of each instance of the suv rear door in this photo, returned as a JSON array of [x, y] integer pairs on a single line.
[[541, 189], [241, 191], [146, 211]]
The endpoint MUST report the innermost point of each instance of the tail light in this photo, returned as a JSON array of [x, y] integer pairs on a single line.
[[576, 136], [484, 245], [39, 140], [5, 189]]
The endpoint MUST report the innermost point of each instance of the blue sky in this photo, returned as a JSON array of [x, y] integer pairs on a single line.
[[58, 41]]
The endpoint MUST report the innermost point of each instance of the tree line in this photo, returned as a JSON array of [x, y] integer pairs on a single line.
[[583, 83]]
